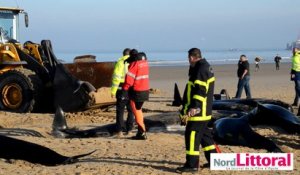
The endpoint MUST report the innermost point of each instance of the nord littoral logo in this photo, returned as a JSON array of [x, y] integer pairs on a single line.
[[251, 161]]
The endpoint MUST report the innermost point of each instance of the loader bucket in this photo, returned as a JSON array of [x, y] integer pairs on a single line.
[[70, 93], [99, 74]]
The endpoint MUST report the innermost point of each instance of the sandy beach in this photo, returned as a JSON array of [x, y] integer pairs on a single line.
[[163, 151]]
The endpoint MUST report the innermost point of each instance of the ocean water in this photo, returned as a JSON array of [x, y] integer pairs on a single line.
[[178, 58]]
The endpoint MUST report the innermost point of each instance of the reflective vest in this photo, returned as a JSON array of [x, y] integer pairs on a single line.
[[296, 62], [199, 91], [137, 76], [119, 73]]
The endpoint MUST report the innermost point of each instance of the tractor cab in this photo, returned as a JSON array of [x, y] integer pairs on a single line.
[[9, 23]]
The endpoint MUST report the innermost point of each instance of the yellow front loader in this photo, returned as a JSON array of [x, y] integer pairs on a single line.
[[31, 77]]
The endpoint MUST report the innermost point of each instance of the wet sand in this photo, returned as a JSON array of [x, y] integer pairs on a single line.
[[162, 152]]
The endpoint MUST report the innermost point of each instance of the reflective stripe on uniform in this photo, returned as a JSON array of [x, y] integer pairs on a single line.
[[191, 150], [212, 79], [199, 118], [189, 89], [203, 99], [141, 77], [118, 77], [204, 102], [131, 74], [200, 98], [205, 84], [208, 148]]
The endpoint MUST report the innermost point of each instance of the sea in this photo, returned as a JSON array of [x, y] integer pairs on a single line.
[[179, 58]]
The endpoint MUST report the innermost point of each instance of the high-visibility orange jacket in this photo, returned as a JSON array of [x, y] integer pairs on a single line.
[[137, 78]]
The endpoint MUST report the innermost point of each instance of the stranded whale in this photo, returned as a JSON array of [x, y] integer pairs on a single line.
[[11, 148], [237, 131], [61, 129]]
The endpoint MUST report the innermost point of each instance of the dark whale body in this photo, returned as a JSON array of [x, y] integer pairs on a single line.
[[61, 129], [247, 105], [237, 131], [233, 131], [230, 126], [11, 148], [270, 114]]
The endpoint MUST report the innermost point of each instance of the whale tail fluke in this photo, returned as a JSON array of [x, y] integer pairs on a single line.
[[76, 158]]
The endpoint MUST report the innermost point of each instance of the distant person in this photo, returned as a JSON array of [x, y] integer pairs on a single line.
[[243, 74], [136, 87], [277, 61], [118, 79], [257, 60], [295, 71], [196, 112]]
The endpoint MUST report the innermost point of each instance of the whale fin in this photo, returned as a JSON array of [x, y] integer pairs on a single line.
[[59, 121], [177, 98]]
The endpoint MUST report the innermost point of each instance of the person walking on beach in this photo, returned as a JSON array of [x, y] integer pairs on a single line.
[[118, 78], [277, 61], [295, 71], [197, 110], [257, 60], [243, 74], [136, 87]]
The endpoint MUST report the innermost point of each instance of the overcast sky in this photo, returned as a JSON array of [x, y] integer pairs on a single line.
[[160, 25]]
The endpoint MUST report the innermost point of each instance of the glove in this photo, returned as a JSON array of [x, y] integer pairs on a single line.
[[124, 95], [183, 119], [292, 77]]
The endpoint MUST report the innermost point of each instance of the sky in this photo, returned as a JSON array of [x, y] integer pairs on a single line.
[[160, 25]]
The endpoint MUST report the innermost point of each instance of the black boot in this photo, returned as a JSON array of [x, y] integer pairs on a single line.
[[185, 169], [140, 135]]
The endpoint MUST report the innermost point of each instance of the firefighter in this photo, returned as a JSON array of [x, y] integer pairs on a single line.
[[136, 87], [119, 73], [196, 111]]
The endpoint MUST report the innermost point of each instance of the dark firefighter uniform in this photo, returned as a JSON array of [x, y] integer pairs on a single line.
[[198, 94]]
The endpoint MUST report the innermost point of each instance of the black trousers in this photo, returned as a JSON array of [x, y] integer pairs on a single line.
[[121, 104], [197, 133], [277, 65]]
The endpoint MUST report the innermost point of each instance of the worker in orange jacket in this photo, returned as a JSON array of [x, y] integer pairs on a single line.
[[136, 87]]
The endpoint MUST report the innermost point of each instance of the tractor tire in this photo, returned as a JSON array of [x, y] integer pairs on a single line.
[[20, 91]]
